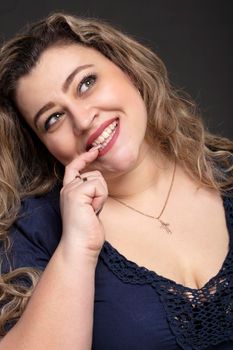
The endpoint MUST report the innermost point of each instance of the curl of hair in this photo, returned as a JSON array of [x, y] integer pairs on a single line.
[[26, 167], [16, 287]]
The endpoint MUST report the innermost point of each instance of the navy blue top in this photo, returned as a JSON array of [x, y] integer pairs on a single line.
[[135, 309]]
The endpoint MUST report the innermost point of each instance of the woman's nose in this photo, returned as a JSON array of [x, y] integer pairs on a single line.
[[82, 118]]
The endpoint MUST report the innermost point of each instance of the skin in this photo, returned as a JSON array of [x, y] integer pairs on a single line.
[[74, 261], [74, 114], [130, 170], [84, 110]]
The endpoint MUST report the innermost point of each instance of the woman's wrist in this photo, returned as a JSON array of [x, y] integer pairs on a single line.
[[74, 253]]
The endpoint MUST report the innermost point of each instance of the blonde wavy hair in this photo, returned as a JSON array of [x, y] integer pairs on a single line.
[[27, 168]]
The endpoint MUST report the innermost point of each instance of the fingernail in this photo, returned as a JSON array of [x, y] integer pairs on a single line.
[[94, 148]]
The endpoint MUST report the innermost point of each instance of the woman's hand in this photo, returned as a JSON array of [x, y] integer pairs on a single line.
[[67, 285], [80, 203]]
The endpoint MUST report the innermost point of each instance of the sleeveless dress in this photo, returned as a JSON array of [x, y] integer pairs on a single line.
[[135, 309]]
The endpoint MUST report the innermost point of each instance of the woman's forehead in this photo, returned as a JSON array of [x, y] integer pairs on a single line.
[[56, 64], [69, 52], [53, 71]]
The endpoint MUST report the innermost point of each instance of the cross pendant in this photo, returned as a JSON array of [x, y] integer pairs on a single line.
[[165, 226]]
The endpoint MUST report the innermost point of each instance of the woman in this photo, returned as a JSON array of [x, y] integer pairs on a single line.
[[143, 259]]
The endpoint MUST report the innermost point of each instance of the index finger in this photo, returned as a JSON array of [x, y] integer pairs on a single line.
[[79, 163]]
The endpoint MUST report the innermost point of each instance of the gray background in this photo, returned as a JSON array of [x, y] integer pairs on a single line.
[[193, 37]]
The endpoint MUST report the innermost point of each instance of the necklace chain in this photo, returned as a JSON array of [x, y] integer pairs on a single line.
[[164, 225]]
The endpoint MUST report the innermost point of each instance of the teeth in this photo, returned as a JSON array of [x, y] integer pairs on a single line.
[[107, 141], [101, 139], [106, 135], [113, 125], [109, 130]]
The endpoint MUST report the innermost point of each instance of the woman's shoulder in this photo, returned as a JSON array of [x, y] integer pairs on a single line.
[[42, 203], [39, 217], [36, 233], [40, 212]]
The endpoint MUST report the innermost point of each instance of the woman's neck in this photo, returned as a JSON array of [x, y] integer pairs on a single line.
[[147, 174]]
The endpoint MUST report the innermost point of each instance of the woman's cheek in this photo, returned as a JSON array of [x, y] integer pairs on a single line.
[[64, 149]]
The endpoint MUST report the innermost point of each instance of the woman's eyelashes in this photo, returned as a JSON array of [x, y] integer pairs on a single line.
[[51, 120], [86, 83]]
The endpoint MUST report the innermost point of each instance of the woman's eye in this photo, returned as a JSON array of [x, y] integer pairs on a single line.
[[86, 83], [52, 120]]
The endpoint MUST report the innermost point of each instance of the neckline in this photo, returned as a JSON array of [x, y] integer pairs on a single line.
[[156, 276]]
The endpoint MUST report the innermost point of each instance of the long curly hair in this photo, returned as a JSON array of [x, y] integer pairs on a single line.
[[27, 168]]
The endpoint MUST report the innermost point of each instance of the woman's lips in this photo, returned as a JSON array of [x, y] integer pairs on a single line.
[[98, 132]]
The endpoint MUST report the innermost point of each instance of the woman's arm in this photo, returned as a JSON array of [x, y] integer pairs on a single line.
[[59, 314]]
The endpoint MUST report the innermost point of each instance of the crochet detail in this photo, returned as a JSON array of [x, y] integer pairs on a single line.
[[198, 318]]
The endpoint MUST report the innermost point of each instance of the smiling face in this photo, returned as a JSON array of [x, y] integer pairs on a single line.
[[75, 98]]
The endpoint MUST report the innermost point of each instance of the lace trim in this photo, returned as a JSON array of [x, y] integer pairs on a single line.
[[198, 318]]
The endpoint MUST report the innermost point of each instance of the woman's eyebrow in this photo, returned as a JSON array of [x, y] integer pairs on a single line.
[[65, 87], [41, 111], [70, 78]]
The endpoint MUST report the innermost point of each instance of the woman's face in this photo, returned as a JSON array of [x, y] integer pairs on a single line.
[[75, 98]]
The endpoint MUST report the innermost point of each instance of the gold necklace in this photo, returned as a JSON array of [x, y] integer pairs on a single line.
[[164, 225]]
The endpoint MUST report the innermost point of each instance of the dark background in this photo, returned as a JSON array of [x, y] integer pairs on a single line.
[[193, 37]]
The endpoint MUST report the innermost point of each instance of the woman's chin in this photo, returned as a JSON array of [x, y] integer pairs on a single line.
[[119, 162]]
